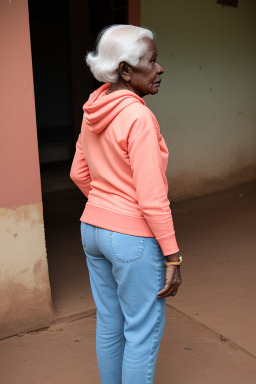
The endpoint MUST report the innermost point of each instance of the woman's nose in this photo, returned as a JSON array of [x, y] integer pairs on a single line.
[[160, 69]]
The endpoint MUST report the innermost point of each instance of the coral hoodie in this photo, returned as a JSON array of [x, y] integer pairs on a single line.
[[120, 164]]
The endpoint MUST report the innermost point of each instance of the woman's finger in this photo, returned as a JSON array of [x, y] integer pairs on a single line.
[[172, 283], [166, 289], [167, 292]]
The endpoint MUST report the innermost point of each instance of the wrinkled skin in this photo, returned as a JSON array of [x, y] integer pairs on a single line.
[[172, 277], [172, 281], [143, 79]]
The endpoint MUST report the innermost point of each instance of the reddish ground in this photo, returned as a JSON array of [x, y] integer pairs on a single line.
[[210, 330]]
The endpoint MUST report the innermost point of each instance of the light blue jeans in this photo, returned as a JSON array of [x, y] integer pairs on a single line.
[[126, 272]]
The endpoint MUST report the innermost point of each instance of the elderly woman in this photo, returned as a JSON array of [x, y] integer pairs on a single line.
[[127, 229]]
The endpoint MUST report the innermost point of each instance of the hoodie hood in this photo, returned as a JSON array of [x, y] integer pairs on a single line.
[[100, 109]]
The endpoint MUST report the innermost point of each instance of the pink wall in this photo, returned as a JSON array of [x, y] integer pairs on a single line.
[[19, 163]]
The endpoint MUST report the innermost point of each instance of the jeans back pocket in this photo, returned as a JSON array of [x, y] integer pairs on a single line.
[[127, 248]]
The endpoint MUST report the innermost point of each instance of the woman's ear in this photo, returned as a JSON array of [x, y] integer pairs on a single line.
[[124, 71]]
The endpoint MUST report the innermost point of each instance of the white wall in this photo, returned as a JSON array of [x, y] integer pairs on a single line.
[[206, 105]]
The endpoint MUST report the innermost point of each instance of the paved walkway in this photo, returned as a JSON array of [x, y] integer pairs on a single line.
[[210, 330]]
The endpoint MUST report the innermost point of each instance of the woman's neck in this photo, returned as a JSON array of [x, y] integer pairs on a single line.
[[119, 86]]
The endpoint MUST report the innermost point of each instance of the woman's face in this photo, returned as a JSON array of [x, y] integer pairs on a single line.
[[145, 78]]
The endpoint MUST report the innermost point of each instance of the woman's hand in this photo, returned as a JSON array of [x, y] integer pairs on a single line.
[[172, 281]]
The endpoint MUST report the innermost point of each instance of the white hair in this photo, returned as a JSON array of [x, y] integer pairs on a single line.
[[115, 44]]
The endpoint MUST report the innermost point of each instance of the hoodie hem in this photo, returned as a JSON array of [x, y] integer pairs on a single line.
[[117, 222]]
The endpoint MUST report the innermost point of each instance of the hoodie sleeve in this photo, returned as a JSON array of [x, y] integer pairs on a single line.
[[151, 186], [80, 173]]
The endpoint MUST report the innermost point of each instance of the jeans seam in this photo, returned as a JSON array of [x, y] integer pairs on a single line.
[[155, 338], [83, 233], [96, 239]]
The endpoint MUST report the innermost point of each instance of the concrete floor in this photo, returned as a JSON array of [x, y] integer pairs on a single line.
[[210, 329]]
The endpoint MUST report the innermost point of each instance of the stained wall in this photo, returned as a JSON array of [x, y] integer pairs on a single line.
[[206, 103], [24, 284]]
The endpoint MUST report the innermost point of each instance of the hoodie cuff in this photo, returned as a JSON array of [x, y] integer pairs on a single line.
[[169, 245]]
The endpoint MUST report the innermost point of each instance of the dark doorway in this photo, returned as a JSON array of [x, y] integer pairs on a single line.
[[62, 31], [49, 30]]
